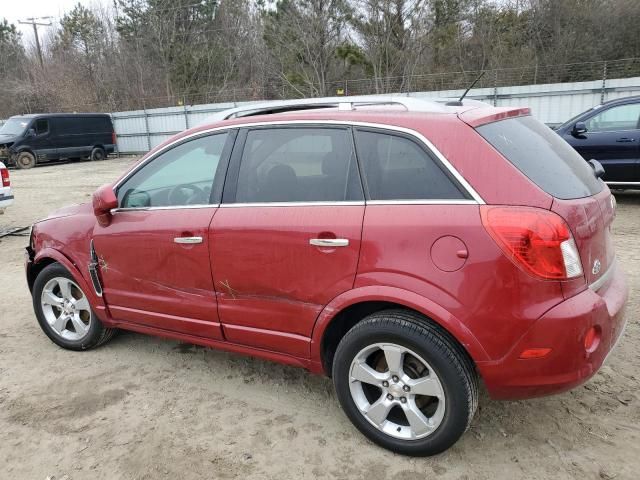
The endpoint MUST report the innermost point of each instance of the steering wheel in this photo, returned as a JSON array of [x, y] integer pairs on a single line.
[[187, 194]]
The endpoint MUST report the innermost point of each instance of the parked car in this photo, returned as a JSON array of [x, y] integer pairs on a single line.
[[403, 247], [6, 197], [27, 140], [610, 134]]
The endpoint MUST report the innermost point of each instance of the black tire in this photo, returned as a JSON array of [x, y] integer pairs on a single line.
[[97, 154], [97, 334], [446, 357], [25, 160]]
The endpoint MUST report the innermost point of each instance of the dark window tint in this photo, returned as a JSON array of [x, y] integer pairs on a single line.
[[397, 168], [298, 165], [178, 177], [83, 125], [42, 126], [544, 157]]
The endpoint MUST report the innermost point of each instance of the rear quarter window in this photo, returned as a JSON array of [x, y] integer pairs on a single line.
[[543, 156]]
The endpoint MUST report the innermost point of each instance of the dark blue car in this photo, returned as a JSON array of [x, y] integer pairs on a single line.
[[609, 133]]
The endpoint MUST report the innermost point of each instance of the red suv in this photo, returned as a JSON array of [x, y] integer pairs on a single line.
[[404, 247]]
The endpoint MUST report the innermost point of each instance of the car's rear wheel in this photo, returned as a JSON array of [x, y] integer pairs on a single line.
[[98, 154], [25, 160], [64, 312], [405, 383]]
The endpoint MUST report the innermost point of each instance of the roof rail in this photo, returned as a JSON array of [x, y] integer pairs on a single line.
[[412, 104]]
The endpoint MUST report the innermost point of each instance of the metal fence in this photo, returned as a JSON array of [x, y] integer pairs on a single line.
[[140, 130]]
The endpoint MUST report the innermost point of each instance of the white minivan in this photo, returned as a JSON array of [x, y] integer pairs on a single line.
[[6, 197]]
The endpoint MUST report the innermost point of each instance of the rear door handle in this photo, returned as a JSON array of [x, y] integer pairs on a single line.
[[187, 240], [625, 140], [329, 242]]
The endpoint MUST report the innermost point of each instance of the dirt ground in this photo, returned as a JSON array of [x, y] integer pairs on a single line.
[[146, 408]]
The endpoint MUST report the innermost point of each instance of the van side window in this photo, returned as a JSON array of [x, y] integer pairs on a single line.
[[397, 168], [42, 126], [300, 164]]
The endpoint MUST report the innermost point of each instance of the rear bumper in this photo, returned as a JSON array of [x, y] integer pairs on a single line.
[[563, 329], [6, 199]]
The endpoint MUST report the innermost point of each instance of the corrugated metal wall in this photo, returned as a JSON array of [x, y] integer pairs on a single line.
[[140, 130]]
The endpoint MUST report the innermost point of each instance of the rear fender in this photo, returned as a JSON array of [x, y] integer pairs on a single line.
[[402, 298]]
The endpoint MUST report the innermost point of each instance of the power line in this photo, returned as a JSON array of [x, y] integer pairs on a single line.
[[32, 21]]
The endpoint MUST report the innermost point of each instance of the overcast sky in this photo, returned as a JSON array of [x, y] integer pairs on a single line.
[[14, 10]]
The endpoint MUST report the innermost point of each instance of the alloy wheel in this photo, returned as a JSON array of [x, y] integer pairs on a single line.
[[397, 391], [66, 308]]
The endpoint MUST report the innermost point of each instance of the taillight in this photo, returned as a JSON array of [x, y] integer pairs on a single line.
[[113, 138], [4, 173], [536, 240]]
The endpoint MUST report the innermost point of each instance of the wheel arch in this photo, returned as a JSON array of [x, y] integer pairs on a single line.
[[46, 257], [353, 306]]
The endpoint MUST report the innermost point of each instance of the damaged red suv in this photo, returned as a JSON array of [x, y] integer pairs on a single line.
[[404, 247]]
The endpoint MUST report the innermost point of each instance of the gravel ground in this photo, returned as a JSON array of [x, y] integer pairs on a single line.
[[146, 408]]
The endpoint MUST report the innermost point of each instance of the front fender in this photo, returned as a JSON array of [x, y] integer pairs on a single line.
[[97, 303], [401, 297]]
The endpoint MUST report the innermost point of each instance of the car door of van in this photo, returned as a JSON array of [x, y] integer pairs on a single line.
[[41, 143], [286, 238]]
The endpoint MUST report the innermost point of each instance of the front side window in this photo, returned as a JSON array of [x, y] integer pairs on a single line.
[[397, 168], [298, 165], [182, 176], [623, 117], [42, 126]]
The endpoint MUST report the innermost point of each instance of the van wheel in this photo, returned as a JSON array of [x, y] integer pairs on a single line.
[[405, 383], [97, 154], [25, 160]]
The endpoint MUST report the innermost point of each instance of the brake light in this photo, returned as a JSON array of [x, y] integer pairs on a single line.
[[113, 138], [4, 173], [536, 240]]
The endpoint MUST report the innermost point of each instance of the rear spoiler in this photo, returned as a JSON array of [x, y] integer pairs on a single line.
[[481, 116]]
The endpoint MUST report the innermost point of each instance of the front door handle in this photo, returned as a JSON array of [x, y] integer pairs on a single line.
[[187, 240], [329, 242], [625, 140]]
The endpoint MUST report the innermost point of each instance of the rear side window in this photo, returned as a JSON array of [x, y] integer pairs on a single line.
[[397, 168], [298, 165], [545, 158]]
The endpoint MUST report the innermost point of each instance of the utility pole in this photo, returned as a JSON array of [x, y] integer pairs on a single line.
[[32, 21]]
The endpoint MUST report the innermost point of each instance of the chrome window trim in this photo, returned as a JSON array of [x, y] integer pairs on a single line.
[[172, 207], [292, 204], [392, 128], [422, 202], [595, 286], [621, 183]]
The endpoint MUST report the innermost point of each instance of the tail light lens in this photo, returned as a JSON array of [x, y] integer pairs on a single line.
[[4, 173], [536, 240], [113, 138]]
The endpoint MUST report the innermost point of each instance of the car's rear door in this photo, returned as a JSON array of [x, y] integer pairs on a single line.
[[286, 238], [154, 256]]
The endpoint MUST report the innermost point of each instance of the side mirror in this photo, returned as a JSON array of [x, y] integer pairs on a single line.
[[579, 129], [104, 200], [31, 133]]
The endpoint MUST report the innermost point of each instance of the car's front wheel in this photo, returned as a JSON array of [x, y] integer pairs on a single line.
[[405, 383], [25, 160], [64, 312]]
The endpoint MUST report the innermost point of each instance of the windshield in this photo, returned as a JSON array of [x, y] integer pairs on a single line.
[[14, 126]]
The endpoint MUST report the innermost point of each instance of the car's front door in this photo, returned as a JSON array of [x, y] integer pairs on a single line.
[[154, 255], [286, 239], [613, 138]]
